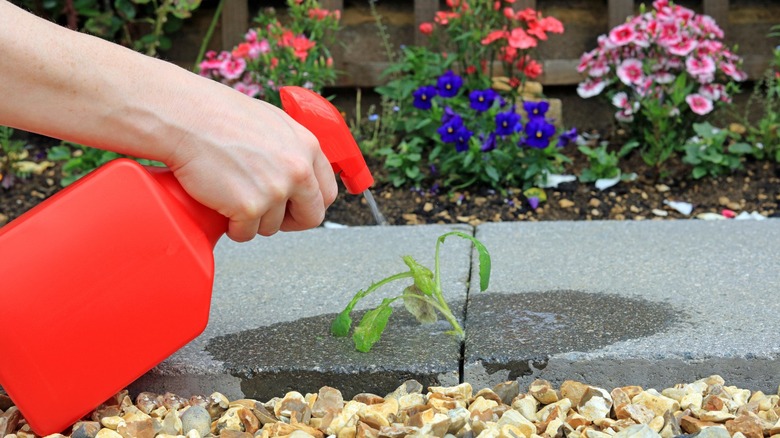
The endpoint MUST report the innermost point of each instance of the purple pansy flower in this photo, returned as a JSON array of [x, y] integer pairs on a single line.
[[449, 84], [489, 143], [533, 201], [423, 97], [538, 133], [567, 137], [507, 123], [462, 139], [536, 109], [482, 100], [449, 130]]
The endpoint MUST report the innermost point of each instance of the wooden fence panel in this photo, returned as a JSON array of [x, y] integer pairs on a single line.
[[619, 10], [235, 20], [424, 10]]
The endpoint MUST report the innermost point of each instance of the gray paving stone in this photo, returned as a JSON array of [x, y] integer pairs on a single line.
[[613, 303], [274, 300]]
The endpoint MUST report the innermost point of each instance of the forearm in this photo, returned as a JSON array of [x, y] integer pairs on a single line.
[[80, 88]]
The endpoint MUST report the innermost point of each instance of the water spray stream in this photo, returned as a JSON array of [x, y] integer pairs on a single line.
[[380, 219]]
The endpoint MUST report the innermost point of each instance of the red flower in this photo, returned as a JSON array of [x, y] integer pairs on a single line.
[[493, 36], [443, 17], [470, 70], [496, 5], [274, 62], [318, 14], [426, 28], [508, 54], [526, 15], [456, 4], [302, 45], [242, 50], [551, 24], [286, 40], [532, 69], [519, 39], [514, 82]]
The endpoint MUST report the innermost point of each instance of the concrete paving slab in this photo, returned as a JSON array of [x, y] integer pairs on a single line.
[[611, 303], [273, 302]]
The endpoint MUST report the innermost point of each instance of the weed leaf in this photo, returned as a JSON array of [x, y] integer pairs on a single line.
[[370, 329], [415, 303], [340, 326], [484, 257], [423, 277]]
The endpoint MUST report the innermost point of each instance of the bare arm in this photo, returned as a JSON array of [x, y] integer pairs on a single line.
[[240, 156]]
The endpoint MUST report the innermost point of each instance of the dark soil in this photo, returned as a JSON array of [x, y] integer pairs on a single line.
[[756, 188]]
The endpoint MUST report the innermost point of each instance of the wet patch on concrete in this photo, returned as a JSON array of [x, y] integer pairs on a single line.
[[518, 332], [303, 356]]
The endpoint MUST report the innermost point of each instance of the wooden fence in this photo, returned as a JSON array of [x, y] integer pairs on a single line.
[[558, 70]]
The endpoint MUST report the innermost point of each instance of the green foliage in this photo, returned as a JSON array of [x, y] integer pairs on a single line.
[[468, 40], [603, 163], [662, 129], [423, 298], [14, 162], [143, 25], [278, 52], [762, 112], [714, 151], [79, 160]]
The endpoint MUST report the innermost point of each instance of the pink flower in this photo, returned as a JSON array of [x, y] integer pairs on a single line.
[[700, 67], [519, 39], [669, 33], [712, 91], [683, 47], [590, 88], [624, 116], [622, 35], [426, 28], [709, 26], [250, 90], [233, 69], [663, 77], [699, 104], [630, 71], [620, 100], [731, 71], [599, 68]]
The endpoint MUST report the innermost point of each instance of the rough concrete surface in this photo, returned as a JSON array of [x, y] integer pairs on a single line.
[[273, 302], [648, 303]]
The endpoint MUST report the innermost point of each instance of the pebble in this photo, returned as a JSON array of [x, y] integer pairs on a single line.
[[565, 203], [196, 418], [706, 407], [3, 219]]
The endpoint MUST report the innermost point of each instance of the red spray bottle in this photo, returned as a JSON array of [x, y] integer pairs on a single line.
[[106, 279]]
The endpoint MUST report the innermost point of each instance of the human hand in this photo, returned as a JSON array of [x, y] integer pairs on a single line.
[[252, 163]]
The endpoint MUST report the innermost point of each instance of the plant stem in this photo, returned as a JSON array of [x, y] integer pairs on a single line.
[[209, 34], [443, 308]]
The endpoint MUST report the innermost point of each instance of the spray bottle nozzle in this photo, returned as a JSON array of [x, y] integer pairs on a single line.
[[320, 117]]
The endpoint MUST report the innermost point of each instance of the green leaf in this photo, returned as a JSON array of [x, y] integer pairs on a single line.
[[341, 325], [125, 8], [416, 304], [740, 148], [699, 172], [423, 277], [370, 329], [484, 257], [58, 153]]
